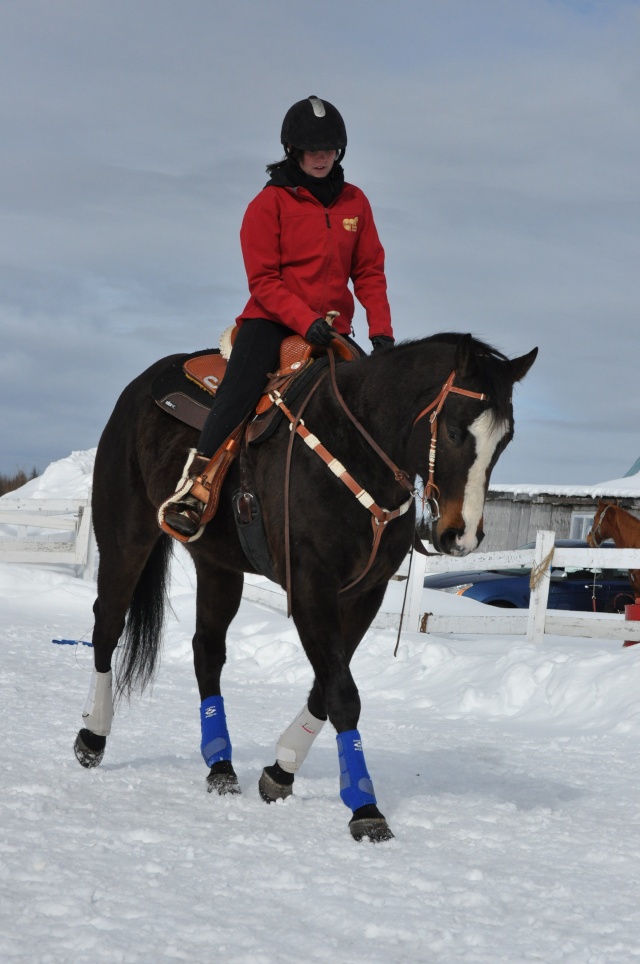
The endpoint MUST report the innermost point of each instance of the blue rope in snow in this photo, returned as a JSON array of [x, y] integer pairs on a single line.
[[71, 642]]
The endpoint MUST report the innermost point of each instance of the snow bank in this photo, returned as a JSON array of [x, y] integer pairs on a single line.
[[508, 773], [69, 478]]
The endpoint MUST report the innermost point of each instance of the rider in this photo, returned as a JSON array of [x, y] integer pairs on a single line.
[[304, 237]]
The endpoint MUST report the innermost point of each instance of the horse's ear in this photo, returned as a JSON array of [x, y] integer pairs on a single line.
[[465, 360], [520, 366]]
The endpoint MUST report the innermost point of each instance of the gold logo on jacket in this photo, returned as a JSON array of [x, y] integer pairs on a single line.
[[350, 224]]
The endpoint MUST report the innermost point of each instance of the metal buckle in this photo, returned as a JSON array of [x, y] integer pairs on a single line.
[[431, 510]]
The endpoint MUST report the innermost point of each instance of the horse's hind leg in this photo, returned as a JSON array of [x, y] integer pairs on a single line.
[[219, 595], [139, 571]]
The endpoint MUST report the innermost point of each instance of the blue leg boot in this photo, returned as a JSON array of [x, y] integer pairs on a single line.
[[216, 747], [356, 790]]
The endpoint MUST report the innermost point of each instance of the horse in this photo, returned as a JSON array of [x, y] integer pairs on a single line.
[[613, 522], [439, 408]]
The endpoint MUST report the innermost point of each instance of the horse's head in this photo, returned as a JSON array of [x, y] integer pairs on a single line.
[[471, 425], [600, 529]]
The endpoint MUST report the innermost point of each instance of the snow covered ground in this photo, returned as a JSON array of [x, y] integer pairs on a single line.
[[509, 775]]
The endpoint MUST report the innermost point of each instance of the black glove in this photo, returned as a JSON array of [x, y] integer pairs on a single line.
[[320, 333], [381, 343]]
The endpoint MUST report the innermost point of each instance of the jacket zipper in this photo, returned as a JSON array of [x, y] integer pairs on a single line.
[[328, 268]]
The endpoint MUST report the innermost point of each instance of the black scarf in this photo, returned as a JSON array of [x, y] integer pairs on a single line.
[[324, 189]]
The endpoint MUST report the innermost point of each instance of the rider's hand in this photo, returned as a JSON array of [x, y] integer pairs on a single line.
[[320, 333], [381, 343]]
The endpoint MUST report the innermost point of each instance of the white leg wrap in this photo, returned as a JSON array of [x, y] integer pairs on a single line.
[[297, 740], [98, 712]]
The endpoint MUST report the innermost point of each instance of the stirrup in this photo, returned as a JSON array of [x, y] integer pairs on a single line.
[[202, 480], [183, 504], [184, 518]]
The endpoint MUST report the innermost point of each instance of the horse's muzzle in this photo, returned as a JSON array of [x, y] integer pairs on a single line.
[[456, 542]]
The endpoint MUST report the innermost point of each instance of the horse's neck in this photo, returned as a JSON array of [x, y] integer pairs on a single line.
[[388, 388], [379, 398], [624, 529]]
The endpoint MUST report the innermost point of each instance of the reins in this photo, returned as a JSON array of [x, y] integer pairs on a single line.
[[399, 474], [380, 517]]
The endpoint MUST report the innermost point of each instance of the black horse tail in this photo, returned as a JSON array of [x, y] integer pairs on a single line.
[[142, 638]]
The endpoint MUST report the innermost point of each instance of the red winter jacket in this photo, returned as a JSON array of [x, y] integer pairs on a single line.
[[299, 257]]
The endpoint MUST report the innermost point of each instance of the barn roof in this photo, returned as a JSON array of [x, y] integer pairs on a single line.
[[628, 486]]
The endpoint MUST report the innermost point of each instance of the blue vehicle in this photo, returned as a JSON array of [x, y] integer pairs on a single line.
[[581, 590]]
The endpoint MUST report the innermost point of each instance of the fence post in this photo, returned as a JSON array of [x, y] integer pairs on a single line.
[[85, 532], [415, 578], [540, 574]]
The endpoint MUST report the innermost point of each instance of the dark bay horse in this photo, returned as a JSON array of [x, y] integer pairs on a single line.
[[439, 408], [615, 523]]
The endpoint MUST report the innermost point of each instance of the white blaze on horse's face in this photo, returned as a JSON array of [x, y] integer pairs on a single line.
[[488, 433]]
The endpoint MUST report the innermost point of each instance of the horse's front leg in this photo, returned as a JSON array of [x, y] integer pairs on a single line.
[[276, 782], [296, 740], [217, 600], [330, 633]]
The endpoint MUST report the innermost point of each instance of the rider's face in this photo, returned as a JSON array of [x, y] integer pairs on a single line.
[[318, 163]]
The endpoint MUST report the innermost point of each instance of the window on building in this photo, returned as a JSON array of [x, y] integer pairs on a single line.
[[581, 522]]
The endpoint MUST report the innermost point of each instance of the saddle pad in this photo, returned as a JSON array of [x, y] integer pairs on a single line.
[[180, 396]]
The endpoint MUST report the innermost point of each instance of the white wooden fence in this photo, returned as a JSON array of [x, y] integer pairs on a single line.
[[61, 516], [537, 620], [74, 516]]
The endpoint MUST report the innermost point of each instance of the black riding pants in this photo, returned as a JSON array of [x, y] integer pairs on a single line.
[[256, 352]]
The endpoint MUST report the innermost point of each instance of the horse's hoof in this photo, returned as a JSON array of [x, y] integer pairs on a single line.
[[222, 779], [368, 822], [89, 748], [271, 789], [223, 783]]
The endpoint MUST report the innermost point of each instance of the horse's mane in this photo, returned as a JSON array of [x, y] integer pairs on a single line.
[[491, 362]]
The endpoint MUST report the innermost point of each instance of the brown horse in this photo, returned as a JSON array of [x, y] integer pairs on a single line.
[[612, 522]]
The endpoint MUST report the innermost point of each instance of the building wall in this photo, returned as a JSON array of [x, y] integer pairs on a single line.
[[510, 522], [508, 525]]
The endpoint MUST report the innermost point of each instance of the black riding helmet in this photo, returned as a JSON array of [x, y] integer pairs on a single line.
[[314, 125]]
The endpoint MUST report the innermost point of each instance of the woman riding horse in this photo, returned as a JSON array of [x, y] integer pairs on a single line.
[[338, 512], [303, 238], [439, 408]]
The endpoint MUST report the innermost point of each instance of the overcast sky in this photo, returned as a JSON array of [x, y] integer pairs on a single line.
[[498, 142]]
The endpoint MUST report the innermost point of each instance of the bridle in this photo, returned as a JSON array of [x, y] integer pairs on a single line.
[[429, 500], [595, 532], [380, 517]]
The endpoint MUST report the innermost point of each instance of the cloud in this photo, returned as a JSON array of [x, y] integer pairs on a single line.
[[498, 143]]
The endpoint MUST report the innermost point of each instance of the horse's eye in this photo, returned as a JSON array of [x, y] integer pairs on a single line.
[[455, 435]]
